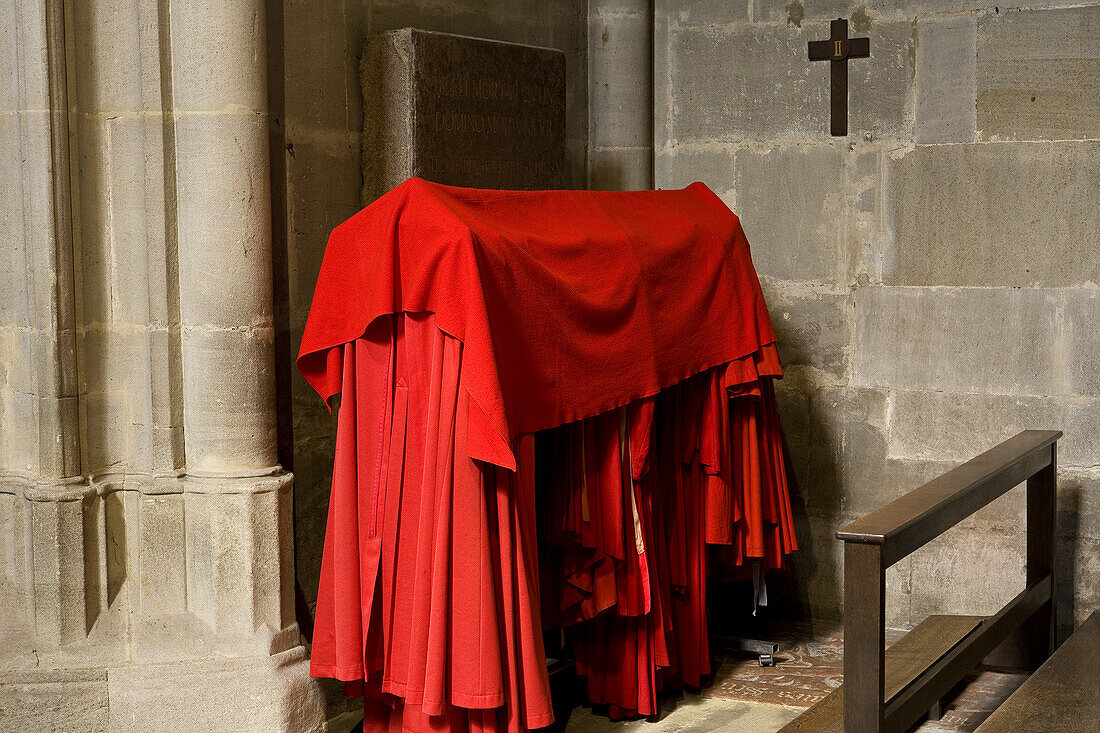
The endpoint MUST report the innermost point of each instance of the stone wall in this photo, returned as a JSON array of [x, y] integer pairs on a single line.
[[317, 125], [933, 277]]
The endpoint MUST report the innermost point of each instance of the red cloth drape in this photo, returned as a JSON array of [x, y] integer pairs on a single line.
[[455, 323], [568, 303]]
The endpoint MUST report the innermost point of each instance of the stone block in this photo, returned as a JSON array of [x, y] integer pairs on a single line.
[[323, 182], [121, 228], [620, 63], [117, 382], [36, 146], [620, 169], [247, 694], [716, 69], [266, 523], [18, 432], [122, 537], [461, 111], [663, 55], [902, 475], [386, 73], [818, 569], [14, 299], [1079, 504], [108, 75], [108, 439], [679, 167], [58, 437], [166, 400], [199, 511], [793, 14], [790, 218], [224, 220], [944, 426], [792, 395], [1082, 337], [219, 59], [947, 426], [319, 69], [21, 439], [55, 363], [54, 701], [1078, 571], [92, 227], [946, 80], [847, 450], [127, 236], [116, 359], [961, 340], [562, 25], [162, 586], [994, 214], [13, 566], [9, 61], [236, 563], [811, 327], [57, 537], [95, 571], [229, 383], [944, 578], [1080, 447], [1038, 74]]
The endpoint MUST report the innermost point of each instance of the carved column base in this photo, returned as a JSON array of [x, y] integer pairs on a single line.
[[269, 694]]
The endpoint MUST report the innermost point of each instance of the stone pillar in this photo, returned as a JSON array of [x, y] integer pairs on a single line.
[[620, 94], [41, 488], [146, 569], [219, 90]]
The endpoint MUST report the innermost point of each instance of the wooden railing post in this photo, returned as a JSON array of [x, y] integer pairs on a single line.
[[1042, 537], [864, 638], [1034, 640]]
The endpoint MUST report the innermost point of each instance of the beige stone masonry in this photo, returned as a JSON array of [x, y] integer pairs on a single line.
[[145, 524]]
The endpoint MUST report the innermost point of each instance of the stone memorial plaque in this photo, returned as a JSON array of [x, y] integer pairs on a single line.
[[461, 111]]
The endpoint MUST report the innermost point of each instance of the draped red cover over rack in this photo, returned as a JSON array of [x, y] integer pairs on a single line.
[[457, 323]]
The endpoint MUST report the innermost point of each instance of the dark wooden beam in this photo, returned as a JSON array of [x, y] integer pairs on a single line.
[[864, 638], [923, 514]]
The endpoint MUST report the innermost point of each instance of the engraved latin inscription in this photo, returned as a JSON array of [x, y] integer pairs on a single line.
[[489, 114], [462, 111]]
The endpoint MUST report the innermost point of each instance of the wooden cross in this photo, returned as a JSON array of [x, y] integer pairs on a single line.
[[838, 49]]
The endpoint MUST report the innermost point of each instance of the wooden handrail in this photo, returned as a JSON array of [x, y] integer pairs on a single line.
[[1023, 630], [923, 514]]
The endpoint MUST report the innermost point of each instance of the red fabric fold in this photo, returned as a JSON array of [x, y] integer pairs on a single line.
[[568, 303]]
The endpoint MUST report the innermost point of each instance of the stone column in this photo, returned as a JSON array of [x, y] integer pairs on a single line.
[[620, 94], [219, 90], [42, 491], [146, 569]]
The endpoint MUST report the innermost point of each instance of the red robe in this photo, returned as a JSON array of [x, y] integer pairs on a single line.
[[456, 323]]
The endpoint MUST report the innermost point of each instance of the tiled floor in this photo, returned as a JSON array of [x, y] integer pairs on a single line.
[[748, 698]]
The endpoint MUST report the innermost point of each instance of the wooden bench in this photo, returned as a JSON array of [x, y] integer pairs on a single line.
[[891, 690], [1063, 695]]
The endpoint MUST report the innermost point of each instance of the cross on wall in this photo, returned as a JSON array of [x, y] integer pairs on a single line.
[[838, 49]]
